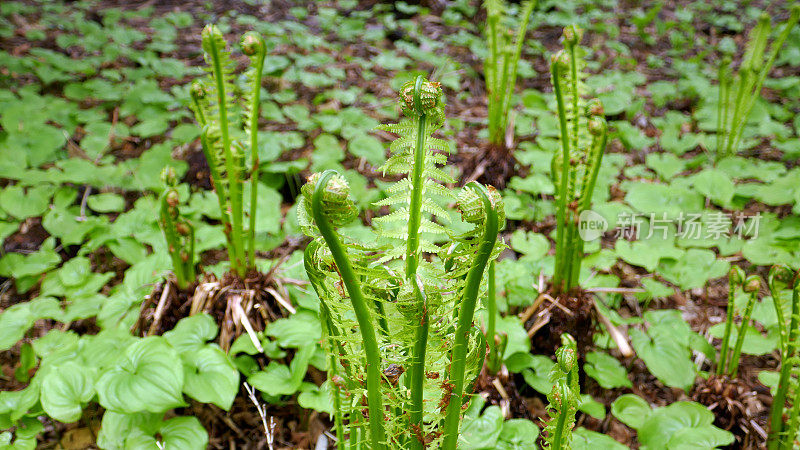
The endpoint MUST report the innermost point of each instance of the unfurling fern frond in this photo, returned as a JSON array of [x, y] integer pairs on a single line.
[[412, 332], [784, 433], [223, 122], [564, 397], [178, 232], [738, 94], [414, 154], [500, 66], [576, 165]]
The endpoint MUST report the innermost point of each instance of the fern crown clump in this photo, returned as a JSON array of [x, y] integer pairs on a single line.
[[398, 312], [500, 67], [229, 132], [576, 165]]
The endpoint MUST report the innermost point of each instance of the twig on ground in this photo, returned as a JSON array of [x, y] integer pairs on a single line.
[[262, 412], [159, 309], [619, 338]]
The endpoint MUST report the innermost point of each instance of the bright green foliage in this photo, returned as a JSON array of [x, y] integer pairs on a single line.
[[565, 397], [136, 380], [678, 425], [575, 167], [737, 96], [783, 434], [227, 124], [412, 338], [500, 67], [178, 232]]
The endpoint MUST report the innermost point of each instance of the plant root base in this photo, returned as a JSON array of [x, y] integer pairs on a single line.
[[737, 407]]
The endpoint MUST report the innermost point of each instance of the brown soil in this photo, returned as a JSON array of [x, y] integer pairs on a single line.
[[573, 314]]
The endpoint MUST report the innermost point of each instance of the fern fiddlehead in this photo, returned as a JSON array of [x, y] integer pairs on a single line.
[[178, 232], [564, 397], [753, 70], [416, 286], [216, 111], [214, 46], [583, 133], [253, 45], [501, 65], [321, 196], [466, 312]]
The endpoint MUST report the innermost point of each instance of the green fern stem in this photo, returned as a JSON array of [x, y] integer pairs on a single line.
[[370, 342], [490, 70], [561, 211], [219, 187], [570, 34], [415, 206], [793, 425], [493, 361], [231, 166], [599, 131], [735, 278], [571, 215], [789, 346], [417, 375], [317, 282], [751, 286], [253, 45], [558, 440], [723, 103], [418, 368], [511, 81], [465, 315]]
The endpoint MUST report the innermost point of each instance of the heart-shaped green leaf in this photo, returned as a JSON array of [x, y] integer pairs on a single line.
[[210, 377], [146, 378], [518, 434], [606, 370], [192, 333], [65, 390], [631, 410]]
